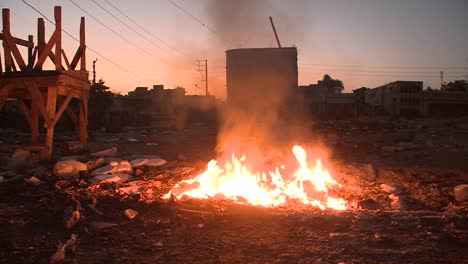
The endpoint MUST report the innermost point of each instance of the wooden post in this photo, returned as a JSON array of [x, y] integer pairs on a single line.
[[40, 38], [34, 124], [82, 44], [58, 42], [50, 113], [30, 52], [84, 117], [6, 29]]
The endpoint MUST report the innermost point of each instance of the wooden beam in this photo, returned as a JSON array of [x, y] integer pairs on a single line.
[[72, 116], [40, 40], [62, 108], [46, 51], [6, 49], [76, 58], [33, 148], [50, 112], [25, 111], [30, 52], [36, 97], [33, 58], [83, 44], [66, 60], [58, 42], [21, 42], [84, 118], [34, 124], [14, 49]]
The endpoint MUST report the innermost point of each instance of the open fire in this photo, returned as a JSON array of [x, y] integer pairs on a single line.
[[237, 181]]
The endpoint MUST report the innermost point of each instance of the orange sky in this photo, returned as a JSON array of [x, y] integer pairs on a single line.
[[362, 42]]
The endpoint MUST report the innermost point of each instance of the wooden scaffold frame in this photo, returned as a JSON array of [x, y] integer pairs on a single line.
[[30, 84]]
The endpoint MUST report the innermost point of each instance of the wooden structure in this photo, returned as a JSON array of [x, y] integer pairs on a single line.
[[41, 93]]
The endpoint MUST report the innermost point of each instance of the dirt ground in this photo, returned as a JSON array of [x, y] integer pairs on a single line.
[[422, 223]]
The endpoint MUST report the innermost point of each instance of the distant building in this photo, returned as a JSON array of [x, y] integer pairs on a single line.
[[396, 98], [445, 103], [320, 100]]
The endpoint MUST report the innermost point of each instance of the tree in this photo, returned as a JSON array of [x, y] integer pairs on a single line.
[[100, 101], [334, 86], [456, 86]]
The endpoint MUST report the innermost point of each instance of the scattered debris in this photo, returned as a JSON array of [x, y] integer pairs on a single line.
[[130, 214], [138, 162], [94, 164], [99, 225], [22, 159], [388, 188], [111, 152], [71, 217], [461, 193], [117, 178], [59, 255], [156, 162], [34, 180], [69, 169], [114, 167]]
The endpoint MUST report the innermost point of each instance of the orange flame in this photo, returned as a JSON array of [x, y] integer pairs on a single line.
[[237, 183]]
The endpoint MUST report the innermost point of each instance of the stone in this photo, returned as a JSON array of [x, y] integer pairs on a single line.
[[117, 178], [34, 180], [461, 193], [388, 188], [138, 162], [114, 167], [130, 214], [20, 159], [157, 162], [111, 152], [94, 164], [68, 169], [181, 170], [71, 217]]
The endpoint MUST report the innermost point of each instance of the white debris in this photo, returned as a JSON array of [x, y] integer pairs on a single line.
[[138, 162], [117, 178], [130, 214], [114, 167], [461, 193], [69, 168], [157, 162], [34, 180], [388, 188], [111, 152], [132, 140]]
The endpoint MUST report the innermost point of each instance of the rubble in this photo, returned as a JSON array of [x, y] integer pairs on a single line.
[[69, 169], [130, 214], [461, 193], [138, 162], [111, 152], [116, 178], [22, 159], [388, 188], [114, 167], [155, 162]]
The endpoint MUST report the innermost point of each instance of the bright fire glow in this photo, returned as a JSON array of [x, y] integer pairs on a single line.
[[235, 182]]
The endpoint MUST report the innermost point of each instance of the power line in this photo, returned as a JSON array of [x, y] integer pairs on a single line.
[[146, 31], [199, 22], [350, 70], [116, 33], [88, 47], [375, 66]]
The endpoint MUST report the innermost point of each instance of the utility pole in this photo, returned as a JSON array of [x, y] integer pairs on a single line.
[[441, 79], [202, 68], [94, 71]]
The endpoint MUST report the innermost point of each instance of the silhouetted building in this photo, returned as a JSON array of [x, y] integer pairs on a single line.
[[396, 98], [445, 103]]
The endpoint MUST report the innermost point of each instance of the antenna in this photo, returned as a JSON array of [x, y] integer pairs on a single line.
[[274, 30]]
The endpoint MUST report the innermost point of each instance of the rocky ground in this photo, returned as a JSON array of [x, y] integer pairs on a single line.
[[104, 206]]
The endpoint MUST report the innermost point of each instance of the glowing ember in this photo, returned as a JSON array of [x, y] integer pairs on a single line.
[[234, 181]]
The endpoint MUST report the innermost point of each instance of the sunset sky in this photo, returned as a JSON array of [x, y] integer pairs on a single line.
[[362, 42]]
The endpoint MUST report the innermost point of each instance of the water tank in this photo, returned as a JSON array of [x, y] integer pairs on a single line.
[[261, 78]]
